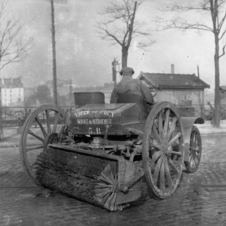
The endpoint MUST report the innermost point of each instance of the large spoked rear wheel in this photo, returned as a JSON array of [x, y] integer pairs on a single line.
[[40, 128], [195, 151], [163, 151]]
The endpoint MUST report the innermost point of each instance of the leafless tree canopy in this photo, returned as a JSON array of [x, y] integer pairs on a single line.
[[12, 46], [215, 11], [121, 26], [214, 8]]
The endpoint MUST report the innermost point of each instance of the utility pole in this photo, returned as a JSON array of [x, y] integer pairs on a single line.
[[115, 69], [1, 127], [70, 91], [54, 47], [54, 54]]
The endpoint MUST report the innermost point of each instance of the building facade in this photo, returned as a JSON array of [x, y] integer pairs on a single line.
[[12, 91], [179, 89], [185, 90]]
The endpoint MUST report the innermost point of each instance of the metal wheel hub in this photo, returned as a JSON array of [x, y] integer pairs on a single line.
[[166, 149]]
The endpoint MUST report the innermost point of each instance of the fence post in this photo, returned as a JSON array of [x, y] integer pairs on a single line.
[[1, 126]]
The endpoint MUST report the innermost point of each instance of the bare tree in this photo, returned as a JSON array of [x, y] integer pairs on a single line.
[[12, 46], [122, 27], [216, 11]]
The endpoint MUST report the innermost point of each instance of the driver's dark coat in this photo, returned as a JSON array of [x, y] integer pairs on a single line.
[[134, 86]]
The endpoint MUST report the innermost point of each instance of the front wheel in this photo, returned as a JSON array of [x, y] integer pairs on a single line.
[[195, 151], [40, 128], [163, 151]]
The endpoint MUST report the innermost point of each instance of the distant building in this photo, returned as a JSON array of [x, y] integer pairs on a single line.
[[63, 86], [12, 91], [179, 89]]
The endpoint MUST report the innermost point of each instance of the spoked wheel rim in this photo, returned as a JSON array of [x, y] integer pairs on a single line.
[[163, 151], [195, 150], [40, 128]]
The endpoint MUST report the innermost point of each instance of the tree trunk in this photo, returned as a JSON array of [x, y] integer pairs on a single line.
[[217, 112], [125, 52]]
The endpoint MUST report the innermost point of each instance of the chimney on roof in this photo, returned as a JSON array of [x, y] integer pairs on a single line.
[[198, 71], [172, 68]]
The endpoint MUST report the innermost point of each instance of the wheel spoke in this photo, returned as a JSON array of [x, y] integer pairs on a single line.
[[156, 135], [173, 165], [157, 169], [194, 149], [172, 128], [166, 123], [196, 158], [168, 176], [160, 125], [197, 141], [48, 121], [178, 135], [34, 148], [176, 153], [35, 135], [155, 156], [192, 161], [57, 117], [162, 175], [41, 126], [155, 146]]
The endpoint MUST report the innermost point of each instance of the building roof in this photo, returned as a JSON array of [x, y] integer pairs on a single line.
[[173, 81], [11, 82], [222, 89]]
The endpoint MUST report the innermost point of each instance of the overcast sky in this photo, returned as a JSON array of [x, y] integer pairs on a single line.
[[83, 56]]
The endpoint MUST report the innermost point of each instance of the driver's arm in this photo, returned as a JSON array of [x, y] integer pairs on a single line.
[[114, 96], [147, 93]]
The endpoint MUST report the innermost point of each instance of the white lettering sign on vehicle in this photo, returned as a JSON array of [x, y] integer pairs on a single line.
[[94, 130], [94, 121], [108, 113], [81, 113]]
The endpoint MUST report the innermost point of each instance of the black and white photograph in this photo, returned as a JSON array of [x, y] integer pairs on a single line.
[[112, 112]]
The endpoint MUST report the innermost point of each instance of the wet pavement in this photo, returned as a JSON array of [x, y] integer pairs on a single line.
[[200, 199]]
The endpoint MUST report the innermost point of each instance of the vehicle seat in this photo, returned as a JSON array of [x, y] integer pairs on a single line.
[[83, 98], [135, 98]]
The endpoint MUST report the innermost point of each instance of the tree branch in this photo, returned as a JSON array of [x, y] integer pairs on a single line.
[[108, 34], [122, 25], [130, 28], [223, 52], [12, 46]]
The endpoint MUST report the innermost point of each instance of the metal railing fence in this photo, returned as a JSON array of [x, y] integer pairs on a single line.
[[15, 116]]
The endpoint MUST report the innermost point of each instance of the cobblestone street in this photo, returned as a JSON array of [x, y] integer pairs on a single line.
[[200, 199]]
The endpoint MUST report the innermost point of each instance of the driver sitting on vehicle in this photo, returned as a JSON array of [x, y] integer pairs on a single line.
[[128, 85]]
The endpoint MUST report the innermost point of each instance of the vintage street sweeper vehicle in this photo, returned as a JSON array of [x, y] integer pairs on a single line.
[[103, 153]]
